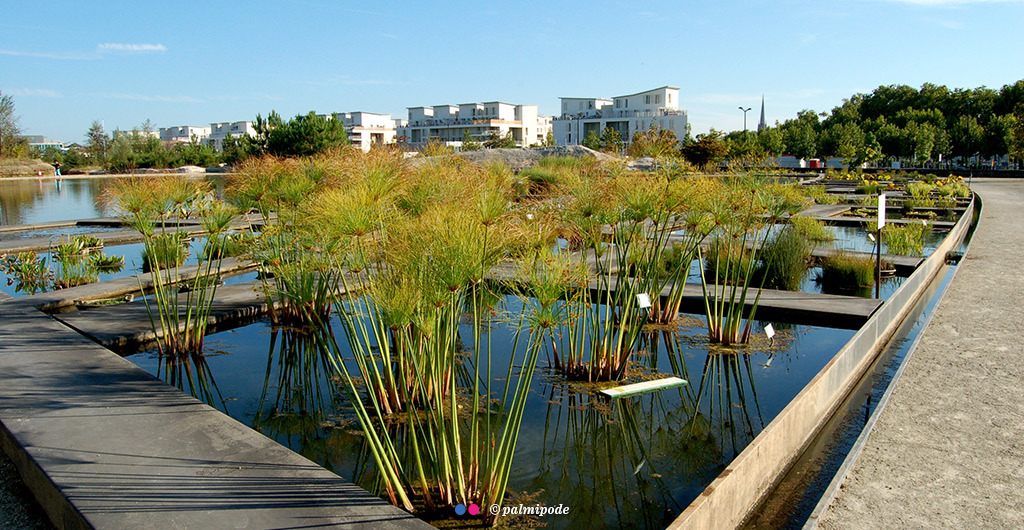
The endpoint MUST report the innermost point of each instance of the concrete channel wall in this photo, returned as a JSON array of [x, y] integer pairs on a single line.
[[731, 497]]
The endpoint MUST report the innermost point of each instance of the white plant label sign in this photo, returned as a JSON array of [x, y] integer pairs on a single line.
[[769, 331], [643, 301], [881, 210]]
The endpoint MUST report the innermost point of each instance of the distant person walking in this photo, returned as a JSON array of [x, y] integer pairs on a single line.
[[56, 169]]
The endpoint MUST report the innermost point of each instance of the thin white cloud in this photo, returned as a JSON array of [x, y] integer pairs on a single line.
[[41, 92], [115, 47], [391, 36], [76, 56], [948, 24], [144, 97]]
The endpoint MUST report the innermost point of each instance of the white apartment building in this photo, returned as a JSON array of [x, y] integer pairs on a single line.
[[220, 131], [627, 114], [450, 123], [183, 134], [366, 129]]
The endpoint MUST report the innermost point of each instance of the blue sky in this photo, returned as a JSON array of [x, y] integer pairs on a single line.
[[191, 63]]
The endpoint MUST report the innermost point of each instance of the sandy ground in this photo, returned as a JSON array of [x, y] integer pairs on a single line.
[[948, 450]]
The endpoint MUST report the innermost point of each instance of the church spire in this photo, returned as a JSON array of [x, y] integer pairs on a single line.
[[761, 124]]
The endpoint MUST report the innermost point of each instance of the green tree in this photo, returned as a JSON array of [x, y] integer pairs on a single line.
[[706, 150], [655, 142], [10, 132], [592, 141], [235, 150], [611, 140], [468, 143], [494, 141], [549, 139], [306, 135], [800, 135], [1016, 139], [121, 157], [96, 143], [771, 141]]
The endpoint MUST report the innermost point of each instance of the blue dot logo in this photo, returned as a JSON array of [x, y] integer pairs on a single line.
[[460, 509]]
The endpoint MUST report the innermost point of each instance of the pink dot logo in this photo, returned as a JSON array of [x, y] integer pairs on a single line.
[[474, 509]]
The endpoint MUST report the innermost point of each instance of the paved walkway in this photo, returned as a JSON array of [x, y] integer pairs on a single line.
[[948, 449], [106, 445]]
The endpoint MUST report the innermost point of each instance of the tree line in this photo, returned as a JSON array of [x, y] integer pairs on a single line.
[[895, 122]]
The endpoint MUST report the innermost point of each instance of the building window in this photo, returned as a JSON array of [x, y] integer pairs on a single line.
[[647, 99], [670, 98], [657, 98]]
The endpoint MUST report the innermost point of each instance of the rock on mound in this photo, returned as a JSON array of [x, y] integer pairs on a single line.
[[520, 158]]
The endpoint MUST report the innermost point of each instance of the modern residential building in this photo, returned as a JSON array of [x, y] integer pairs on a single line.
[[42, 144], [220, 131], [627, 114], [366, 129], [450, 123], [183, 134]]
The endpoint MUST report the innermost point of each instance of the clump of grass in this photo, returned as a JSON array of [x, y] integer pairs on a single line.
[[811, 229], [817, 194], [436, 147], [784, 260], [726, 260], [869, 187], [844, 272], [167, 250], [918, 189], [906, 239], [954, 189]]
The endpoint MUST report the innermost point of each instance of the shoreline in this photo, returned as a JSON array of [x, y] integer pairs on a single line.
[[114, 175]]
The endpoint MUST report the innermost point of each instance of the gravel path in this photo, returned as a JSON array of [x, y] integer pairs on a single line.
[[18, 509], [948, 449]]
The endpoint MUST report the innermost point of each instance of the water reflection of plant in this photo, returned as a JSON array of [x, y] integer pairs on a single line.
[[191, 373], [297, 393], [725, 398], [621, 462]]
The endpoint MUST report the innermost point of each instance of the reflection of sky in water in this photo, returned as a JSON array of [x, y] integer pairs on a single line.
[[621, 464], [30, 201], [44, 200]]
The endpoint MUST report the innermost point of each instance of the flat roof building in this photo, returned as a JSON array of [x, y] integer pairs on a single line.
[[627, 114]]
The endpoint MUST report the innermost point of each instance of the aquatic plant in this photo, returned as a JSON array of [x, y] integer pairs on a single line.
[[846, 272], [906, 239], [784, 260], [169, 249], [178, 316], [811, 229], [868, 187], [27, 271], [404, 335], [742, 213]]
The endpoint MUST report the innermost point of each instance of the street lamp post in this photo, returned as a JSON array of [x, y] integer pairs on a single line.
[[745, 110]]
